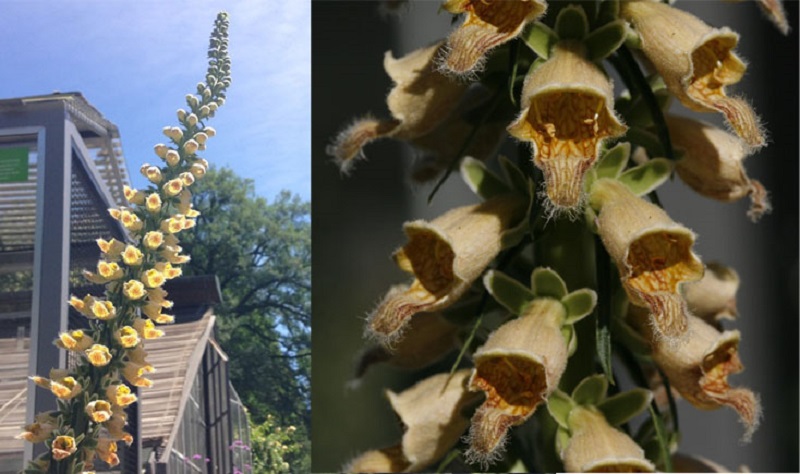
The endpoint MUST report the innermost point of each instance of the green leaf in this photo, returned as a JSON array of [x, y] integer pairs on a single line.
[[480, 180], [510, 293], [579, 304], [605, 40], [546, 282], [562, 439], [613, 161], [541, 39], [663, 438], [608, 11], [591, 390], [572, 23], [603, 336], [559, 404], [625, 405], [568, 333], [515, 176], [647, 177]]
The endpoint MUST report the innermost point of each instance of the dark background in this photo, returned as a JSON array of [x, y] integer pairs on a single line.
[[357, 224]]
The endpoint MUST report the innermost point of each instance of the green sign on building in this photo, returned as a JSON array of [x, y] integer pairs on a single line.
[[13, 165]]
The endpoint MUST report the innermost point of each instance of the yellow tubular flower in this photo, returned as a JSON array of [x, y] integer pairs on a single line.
[[174, 224], [518, 367], [445, 256], [107, 451], [596, 446], [712, 164], [421, 99], [99, 411], [39, 430], [63, 447], [147, 329], [130, 220], [431, 414], [652, 252], [173, 187], [109, 270], [135, 373], [133, 196], [696, 62], [568, 110], [488, 24], [153, 202], [120, 395], [133, 290], [172, 158], [116, 425], [153, 278], [76, 341], [127, 337], [98, 355], [103, 310], [699, 369], [153, 239], [168, 270], [152, 173], [198, 170], [112, 248], [60, 383], [132, 256]]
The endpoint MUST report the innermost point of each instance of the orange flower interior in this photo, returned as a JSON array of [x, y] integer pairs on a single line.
[[566, 128], [431, 259], [514, 386], [658, 263], [502, 15]]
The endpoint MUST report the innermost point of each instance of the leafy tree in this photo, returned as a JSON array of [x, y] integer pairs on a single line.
[[261, 253]]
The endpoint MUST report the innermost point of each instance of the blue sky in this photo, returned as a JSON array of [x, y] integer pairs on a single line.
[[135, 61]]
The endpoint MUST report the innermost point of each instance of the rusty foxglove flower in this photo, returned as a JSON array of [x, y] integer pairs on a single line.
[[652, 252], [445, 256], [713, 298], [712, 164], [487, 24], [567, 113], [696, 61], [421, 99], [518, 367]]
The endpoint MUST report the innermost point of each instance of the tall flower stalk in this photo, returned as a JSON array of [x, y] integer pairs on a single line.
[[89, 420], [585, 274]]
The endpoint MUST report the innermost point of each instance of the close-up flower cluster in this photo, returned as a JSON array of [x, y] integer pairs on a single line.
[[109, 353], [558, 323]]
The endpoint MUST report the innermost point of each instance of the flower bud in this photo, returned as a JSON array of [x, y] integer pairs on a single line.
[[190, 147], [181, 114], [153, 174], [175, 133], [198, 170], [200, 138]]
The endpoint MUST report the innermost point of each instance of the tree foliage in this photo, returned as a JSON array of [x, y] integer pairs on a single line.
[[261, 253]]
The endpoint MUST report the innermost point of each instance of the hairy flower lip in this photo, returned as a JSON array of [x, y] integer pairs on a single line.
[[699, 369], [696, 62], [652, 252], [567, 113], [487, 25]]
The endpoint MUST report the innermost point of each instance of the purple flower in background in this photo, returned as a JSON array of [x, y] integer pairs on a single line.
[[197, 457]]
